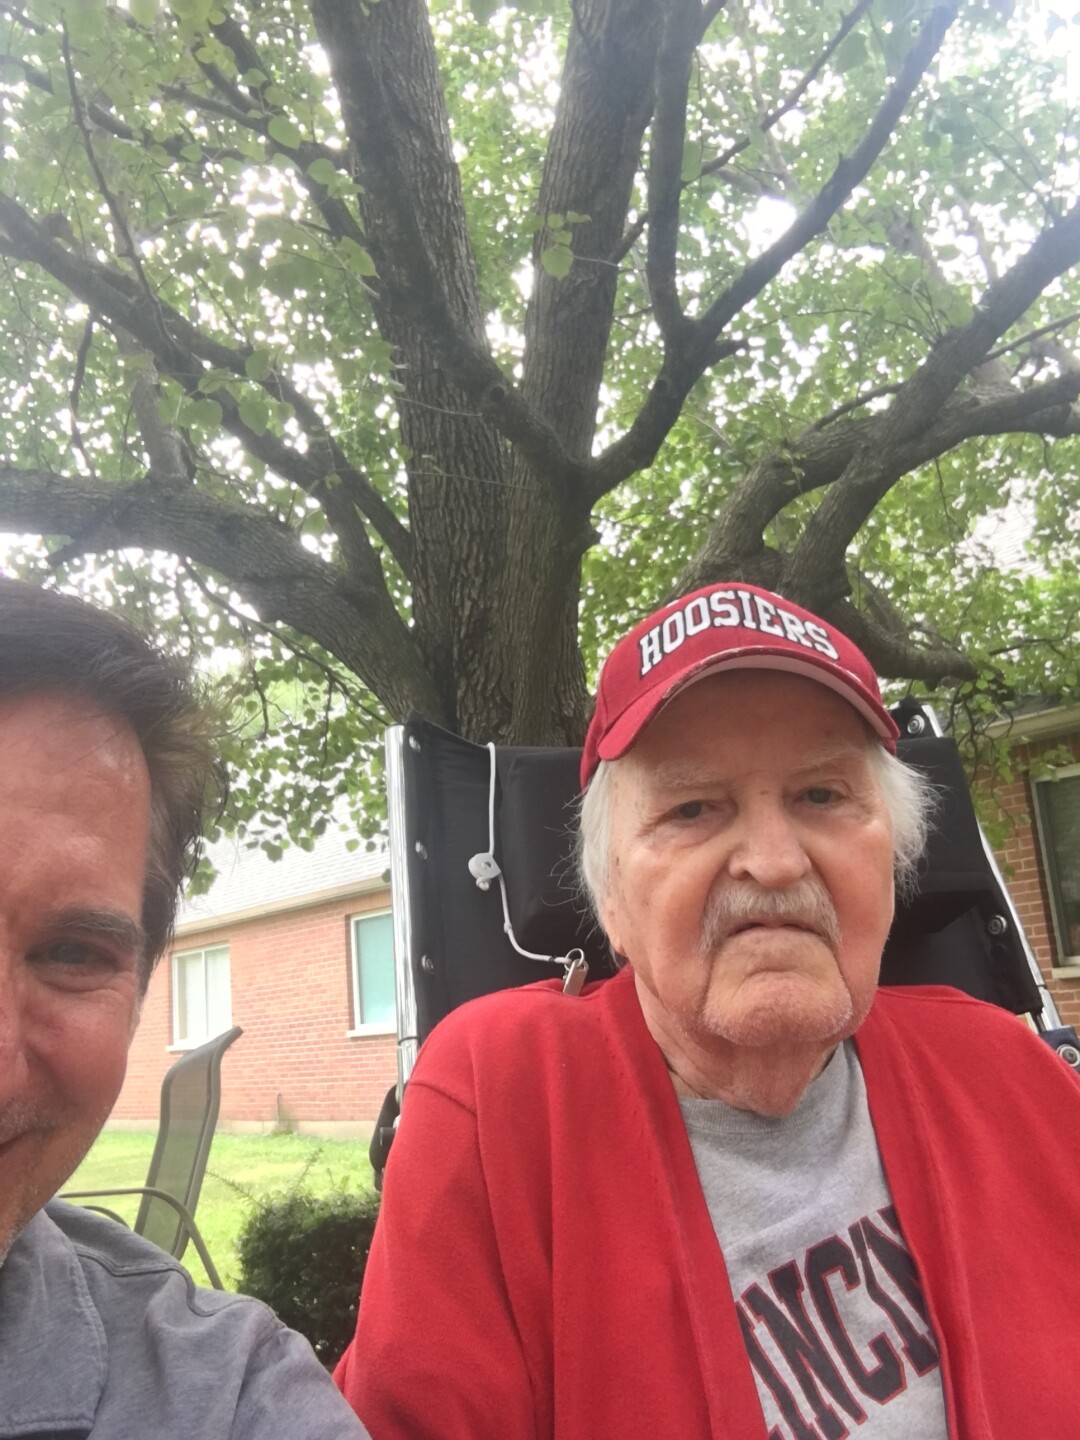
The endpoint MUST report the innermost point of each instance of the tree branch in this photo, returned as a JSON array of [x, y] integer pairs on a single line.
[[1052, 328], [847, 24], [637, 448], [339, 218], [170, 462], [181, 351], [410, 282], [333, 676], [720, 162], [129, 251], [876, 467], [892, 651], [837, 189], [819, 458], [677, 47], [105, 120], [261, 557], [20, 17]]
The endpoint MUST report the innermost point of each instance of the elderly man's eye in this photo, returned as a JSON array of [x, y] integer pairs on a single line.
[[690, 810], [820, 795]]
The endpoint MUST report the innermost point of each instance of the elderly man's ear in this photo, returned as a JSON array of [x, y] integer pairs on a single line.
[[613, 930]]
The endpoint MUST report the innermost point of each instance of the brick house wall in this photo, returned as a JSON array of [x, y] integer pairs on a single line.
[[299, 1064], [1022, 862]]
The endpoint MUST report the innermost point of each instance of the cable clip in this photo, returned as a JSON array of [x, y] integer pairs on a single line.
[[577, 972], [484, 868]]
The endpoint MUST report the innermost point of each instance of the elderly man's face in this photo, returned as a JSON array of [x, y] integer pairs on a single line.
[[755, 790], [74, 818]]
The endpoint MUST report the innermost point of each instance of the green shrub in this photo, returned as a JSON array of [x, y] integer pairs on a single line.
[[304, 1256]]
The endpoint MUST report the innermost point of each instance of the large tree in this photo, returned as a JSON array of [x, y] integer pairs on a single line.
[[433, 339]]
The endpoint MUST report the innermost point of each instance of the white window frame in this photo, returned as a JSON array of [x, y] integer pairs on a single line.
[[190, 1042], [1066, 955], [358, 1027]]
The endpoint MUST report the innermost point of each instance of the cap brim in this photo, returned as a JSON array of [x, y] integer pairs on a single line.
[[623, 732]]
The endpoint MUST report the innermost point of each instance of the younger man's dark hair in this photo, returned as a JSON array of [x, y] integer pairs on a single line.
[[51, 642]]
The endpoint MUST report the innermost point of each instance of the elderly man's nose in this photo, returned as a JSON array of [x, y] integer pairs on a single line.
[[768, 847]]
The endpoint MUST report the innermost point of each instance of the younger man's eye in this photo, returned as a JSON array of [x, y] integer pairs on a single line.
[[73, 955]]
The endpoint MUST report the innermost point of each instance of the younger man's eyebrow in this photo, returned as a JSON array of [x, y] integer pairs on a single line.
[[112, 926]]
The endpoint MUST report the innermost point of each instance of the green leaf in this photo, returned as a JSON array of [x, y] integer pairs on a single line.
[[284, 132], [852, 53], [254, 413], [204, 412], [557, 260], [144, 12], [196, 12], [691, 160], [960, 311], [323, 171], [286, 277], [356, 257], [257, 365]]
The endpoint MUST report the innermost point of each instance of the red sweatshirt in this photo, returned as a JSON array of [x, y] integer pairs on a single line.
[[545, 1266]]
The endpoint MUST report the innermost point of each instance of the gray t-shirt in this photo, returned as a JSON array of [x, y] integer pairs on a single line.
[[826, 1291]]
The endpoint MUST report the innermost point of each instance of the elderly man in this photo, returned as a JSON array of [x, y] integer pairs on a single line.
[[107, 767], [734, 1191]]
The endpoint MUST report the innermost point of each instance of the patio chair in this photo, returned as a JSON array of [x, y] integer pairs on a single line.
[[190, 1100]]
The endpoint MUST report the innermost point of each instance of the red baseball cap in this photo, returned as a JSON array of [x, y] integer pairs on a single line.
[[729, 626]]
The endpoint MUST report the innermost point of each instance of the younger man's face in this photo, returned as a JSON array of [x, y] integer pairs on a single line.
[[74, 822]]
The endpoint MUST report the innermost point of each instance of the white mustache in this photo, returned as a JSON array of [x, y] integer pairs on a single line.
[[734, 904]]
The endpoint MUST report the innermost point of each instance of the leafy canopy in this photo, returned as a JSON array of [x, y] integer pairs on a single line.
[[293, 352]]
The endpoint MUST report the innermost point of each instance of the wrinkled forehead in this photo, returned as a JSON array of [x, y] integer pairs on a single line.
[[679, 772], [62, 734], [724, 714]]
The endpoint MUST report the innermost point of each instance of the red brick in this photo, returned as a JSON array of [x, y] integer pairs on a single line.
[[290, 993]]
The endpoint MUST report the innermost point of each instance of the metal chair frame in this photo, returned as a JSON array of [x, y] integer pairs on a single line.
[[172, 1216]]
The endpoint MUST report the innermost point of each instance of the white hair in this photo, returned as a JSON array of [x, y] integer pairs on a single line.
[[909, 796]]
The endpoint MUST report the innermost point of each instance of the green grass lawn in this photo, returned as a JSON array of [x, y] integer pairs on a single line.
[[241, 1167]]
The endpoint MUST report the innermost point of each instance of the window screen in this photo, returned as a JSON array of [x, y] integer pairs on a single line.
[[373, 970], [1058, 804]]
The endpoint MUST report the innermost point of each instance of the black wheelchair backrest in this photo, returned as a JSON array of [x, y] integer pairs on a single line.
[[958, 927]]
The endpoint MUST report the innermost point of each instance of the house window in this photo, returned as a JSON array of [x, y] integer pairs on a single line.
[[1057, 806], [202, 1002], [373, 972]]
